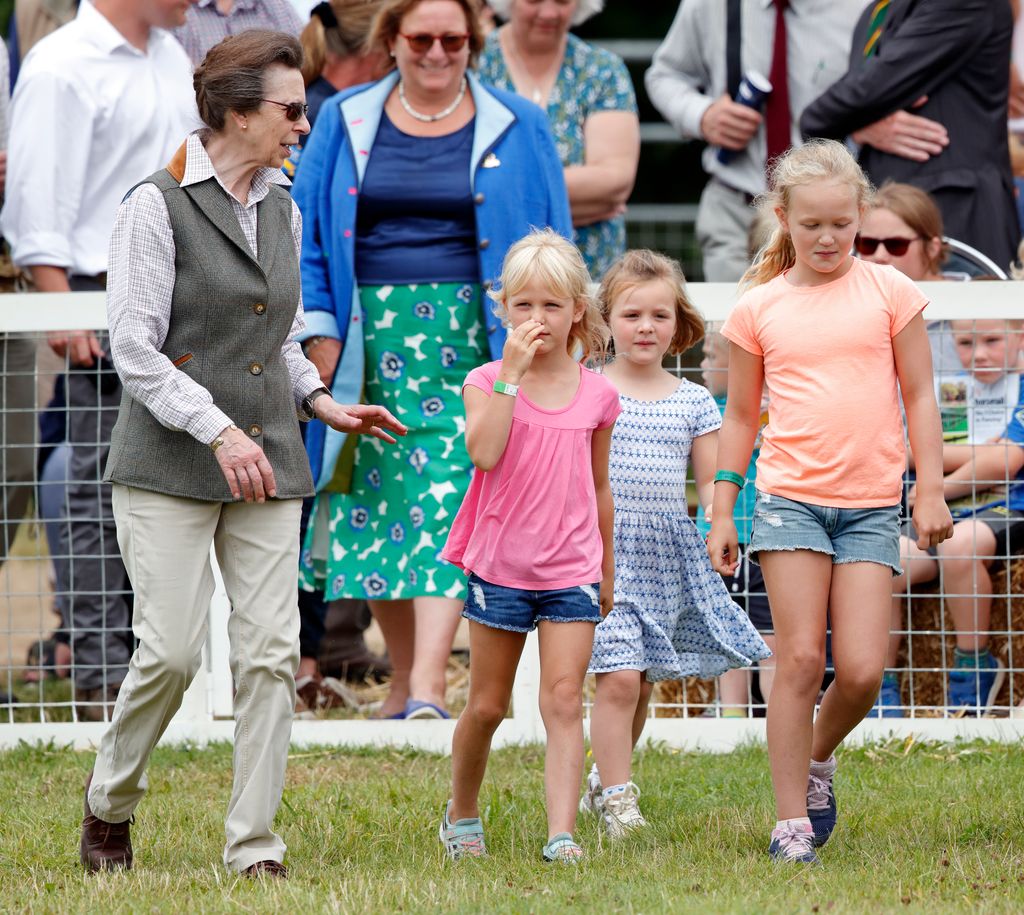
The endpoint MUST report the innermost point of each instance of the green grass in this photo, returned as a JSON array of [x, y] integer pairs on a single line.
[[923, 827]]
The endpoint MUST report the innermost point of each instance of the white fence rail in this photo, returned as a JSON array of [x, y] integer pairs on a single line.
[[205, 714]]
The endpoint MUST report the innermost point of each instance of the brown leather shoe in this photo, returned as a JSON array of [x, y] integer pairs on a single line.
[[104, 846], [266, 869]]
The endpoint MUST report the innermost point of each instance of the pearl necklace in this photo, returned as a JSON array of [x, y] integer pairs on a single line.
[[430, 118]]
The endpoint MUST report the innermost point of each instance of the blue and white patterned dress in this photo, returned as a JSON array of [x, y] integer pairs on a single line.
[[673, 616]]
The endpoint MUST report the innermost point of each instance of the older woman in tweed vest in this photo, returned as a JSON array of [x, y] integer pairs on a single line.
[[204, 306]]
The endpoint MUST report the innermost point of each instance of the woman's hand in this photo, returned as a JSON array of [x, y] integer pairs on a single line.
[[724, 546], [245, 467], [358, 419], [324, 354], [521, 346], [932, 521]]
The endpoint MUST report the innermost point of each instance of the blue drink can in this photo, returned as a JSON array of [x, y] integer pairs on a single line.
[[753, 92]]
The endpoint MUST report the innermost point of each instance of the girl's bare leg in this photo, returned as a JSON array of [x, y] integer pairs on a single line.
[[613, 722], [493, 659], [565, 650], [861, 605], [798, 583]]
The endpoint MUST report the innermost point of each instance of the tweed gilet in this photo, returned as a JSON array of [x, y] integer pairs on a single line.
[[231, 313]]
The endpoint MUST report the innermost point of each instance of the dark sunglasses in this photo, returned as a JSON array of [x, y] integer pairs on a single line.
[[423, 42], [292, 110], [897, 247]]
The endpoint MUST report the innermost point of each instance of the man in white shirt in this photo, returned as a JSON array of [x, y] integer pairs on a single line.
[[100, 104], [687, 82]]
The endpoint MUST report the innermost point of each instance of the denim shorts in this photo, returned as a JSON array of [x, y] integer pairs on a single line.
[[518, 610], [845, 534]]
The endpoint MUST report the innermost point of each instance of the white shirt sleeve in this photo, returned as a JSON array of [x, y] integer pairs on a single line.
[[47, 163], [678, 81], [139, 294]]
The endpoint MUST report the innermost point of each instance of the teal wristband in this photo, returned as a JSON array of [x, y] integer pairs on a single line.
[[728, 476], [503, 387]]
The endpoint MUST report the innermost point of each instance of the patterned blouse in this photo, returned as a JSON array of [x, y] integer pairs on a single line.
[[591, 79]]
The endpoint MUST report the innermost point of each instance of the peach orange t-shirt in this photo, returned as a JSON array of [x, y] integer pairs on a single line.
[[835, 434]]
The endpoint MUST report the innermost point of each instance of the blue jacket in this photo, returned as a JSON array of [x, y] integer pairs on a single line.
[[517, 183]]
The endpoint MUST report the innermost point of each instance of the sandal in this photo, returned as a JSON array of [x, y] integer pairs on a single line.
[[562, 848]]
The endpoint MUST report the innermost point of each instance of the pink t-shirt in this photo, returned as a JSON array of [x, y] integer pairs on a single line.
[[834, 435], [531, 521]]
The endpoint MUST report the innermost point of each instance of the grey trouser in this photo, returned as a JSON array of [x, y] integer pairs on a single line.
[[165, 541], [99, 599], [17, 433], [724, 219]]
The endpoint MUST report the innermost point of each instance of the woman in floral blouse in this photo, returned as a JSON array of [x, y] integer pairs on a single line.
[[589, 100]]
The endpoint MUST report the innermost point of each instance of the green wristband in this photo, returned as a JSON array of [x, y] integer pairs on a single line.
[[503, 387], [728, 476]]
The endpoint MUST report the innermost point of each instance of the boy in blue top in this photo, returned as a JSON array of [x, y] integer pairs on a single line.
[[984, 488], [747, 585]]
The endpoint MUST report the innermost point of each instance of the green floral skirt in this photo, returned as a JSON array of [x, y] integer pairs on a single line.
[[385, 536]]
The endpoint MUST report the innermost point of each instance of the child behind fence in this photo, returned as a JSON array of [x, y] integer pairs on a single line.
[[673, 617], [984, 488], [831, 337]]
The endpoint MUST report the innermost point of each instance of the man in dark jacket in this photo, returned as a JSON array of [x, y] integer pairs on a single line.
[[935, 75]]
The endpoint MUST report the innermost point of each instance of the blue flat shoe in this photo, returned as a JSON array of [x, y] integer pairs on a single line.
[[417, 708]]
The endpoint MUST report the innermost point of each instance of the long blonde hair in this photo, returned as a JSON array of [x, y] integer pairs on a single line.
[[816, 160], [546, 257]]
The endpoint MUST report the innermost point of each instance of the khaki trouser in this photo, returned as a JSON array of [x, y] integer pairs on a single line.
[[165, 542], [724, 218]]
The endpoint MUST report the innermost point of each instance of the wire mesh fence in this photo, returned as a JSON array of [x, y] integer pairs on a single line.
[[65, 622]]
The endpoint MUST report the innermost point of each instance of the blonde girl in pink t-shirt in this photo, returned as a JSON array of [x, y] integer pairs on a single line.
[[535, 529], [830, 336]]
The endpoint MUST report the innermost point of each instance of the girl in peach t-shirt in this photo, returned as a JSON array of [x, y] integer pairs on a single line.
[[830, 336]]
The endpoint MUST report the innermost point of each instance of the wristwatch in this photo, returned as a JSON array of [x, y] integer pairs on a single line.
[[307, 401], [219, 440], [503, 387]]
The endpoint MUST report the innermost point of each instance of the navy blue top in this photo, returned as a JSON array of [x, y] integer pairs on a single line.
[[415, 221]]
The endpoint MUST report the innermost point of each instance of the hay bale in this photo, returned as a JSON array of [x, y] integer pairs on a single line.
[[931, 652]]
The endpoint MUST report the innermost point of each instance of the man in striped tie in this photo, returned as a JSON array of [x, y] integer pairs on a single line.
[[926, 98]]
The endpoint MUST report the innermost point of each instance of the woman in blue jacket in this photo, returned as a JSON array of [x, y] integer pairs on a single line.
[[411, 190]]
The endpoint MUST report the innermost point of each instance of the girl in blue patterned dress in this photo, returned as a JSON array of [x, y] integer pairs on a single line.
[[673, 616]]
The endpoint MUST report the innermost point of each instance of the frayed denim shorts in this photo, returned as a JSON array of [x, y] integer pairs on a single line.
[[518, 610], [845, 534]]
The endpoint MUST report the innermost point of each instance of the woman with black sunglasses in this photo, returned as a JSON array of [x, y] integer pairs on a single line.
[[204, 304], [411, 189]]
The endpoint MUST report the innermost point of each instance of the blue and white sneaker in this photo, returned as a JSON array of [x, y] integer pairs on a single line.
[[463, 838], [821, 802], [974, 683], [889, 702], [793, 844]]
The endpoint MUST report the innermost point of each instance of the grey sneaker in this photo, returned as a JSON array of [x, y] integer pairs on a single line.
[[621, 813], [592, 800], [463, 838]]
